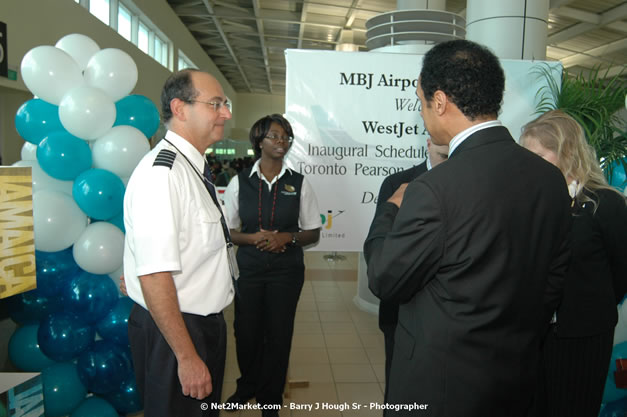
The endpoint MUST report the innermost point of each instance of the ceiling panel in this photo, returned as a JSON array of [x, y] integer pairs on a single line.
[[247, 38]]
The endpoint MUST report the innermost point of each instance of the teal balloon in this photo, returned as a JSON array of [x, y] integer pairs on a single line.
[[99, 193], [90, 297], [63, 156], [103, 367], [24, 350], [616, 408], [63, 336], [36, 119], [114, 326], [611, 392], [94, 407], [54, 271], [618, 178], [118, 221], [126, 398], [63, 389], [137, 111], [32, 306]]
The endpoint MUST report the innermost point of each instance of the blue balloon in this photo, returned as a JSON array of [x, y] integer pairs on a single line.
[[114, 326], [90, 297], [611, 392], [63, 336], [32, 306], [616, 408], [103, 367], [63, 389], [94, 407], [118, 221], [36, 119], [99, 193], [618, 178], [24, 350], [63, 156], [126, 398], [137, 111], [54, 271]]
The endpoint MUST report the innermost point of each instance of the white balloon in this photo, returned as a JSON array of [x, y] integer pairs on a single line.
[[29, 151], [80, 47], [99, 249], [87, 112], [43, 181], [58, 221], [115, 276], [50, 73], [620, 333], [112, 70], [622, 313], [120, 150]]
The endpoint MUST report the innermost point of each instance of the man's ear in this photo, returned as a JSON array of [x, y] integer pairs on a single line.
[[177, 107], [439, 102]]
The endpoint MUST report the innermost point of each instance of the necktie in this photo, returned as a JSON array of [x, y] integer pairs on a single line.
[[227, 236], [209, 184]]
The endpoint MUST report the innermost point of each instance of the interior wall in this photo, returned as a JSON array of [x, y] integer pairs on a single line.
[[31, 23], [252, 107]]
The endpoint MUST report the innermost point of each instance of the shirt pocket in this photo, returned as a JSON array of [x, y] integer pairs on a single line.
[[210, 229]]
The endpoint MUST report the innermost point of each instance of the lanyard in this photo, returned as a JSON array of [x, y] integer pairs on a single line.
[[208, 183]]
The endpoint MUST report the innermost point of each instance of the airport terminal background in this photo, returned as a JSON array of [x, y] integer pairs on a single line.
[[337, 346]]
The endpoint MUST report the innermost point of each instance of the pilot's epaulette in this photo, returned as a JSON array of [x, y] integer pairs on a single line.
[[165, 158]]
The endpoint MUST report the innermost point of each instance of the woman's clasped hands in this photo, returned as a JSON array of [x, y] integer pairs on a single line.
[[271, 241]]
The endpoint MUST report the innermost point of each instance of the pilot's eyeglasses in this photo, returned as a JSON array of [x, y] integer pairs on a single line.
[[217, 105]]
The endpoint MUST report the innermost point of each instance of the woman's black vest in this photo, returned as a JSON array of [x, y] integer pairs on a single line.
[[252, 261]]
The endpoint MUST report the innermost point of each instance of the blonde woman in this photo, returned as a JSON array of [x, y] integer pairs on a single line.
[[578, 347]]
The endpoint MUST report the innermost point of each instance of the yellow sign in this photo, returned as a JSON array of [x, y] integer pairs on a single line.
[[17, 240]]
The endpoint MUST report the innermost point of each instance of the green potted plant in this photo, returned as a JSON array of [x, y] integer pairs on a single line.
[[593, 100]]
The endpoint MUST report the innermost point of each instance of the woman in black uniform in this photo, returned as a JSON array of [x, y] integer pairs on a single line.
[[577, 349], [272, 212]]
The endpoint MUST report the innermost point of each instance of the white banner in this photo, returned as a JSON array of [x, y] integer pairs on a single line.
[[356, 119]]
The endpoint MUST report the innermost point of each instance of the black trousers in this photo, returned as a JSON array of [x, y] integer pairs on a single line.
[[573, 374], [156, 369], [264, 324], [388, 336]]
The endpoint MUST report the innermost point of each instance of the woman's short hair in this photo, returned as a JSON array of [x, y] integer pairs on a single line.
[[260, 130]]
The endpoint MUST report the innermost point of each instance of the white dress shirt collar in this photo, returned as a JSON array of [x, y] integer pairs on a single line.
[[187, 149], [464, 134], [257, 170]]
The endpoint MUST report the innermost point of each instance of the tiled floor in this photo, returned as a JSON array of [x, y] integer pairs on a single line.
[[337, 348]]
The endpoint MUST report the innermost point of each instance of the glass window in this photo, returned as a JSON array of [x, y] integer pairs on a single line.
[[142, 37], [100, 9], [158, 48], [184, 62], [161, 51], [124, 22]]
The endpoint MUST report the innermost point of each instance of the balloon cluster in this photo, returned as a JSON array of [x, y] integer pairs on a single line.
[[614, 398], [84, 136]]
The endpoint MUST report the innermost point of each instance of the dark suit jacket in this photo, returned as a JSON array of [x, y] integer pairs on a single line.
[[477, 253], [388, 310], [597, 277]]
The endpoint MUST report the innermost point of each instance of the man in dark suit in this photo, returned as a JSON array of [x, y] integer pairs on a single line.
[[388, 309], [475, 251]]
